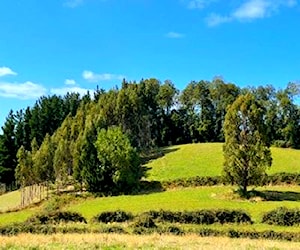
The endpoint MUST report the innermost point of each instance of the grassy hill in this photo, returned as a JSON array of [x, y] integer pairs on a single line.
[[206, 159], [10, 200], [180, 162]]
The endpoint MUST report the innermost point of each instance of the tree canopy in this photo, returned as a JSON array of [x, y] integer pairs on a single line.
[[149, 113], [246, 147]]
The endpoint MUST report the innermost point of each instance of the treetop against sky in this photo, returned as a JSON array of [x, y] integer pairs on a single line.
[[55, 46]]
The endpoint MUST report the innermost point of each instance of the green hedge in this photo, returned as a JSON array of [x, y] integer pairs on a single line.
[[282, 217], [275, 179], [201, 217], [113, 216], [57, 217]]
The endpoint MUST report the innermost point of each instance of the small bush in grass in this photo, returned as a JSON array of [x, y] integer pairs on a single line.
[[113, 216], [57, 217], [114, 229], [144, 221], [282, 217], [174, 230], [233, 216]]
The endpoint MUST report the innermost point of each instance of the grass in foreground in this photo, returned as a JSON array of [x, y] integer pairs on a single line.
[[155, 241], [206, 159]]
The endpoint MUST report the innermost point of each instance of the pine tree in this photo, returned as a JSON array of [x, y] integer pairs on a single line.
[[246, 150]]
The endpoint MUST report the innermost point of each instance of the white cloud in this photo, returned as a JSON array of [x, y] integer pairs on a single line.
[[65, 90], [254, 9], [73, 3], [93, 77], [250, 10], [216, 19], [26, 90], [70, 82], [174, 35], [5, 71], [199, 4]]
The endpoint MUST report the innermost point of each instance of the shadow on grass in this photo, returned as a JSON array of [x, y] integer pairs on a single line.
[[156, 154], [148, 187], [269, 195]]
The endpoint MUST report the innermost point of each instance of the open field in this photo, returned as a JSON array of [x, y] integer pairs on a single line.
[[10, 200], [189, 199], [178, 162], [216, 197], [155, 241], [19, 216], [206, 159]]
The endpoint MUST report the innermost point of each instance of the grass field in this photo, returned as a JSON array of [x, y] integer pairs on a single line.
[[206, 159], [178, 162], [188, 199], [10, 200], [155, 241]]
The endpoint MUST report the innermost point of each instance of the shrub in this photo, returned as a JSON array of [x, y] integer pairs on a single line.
[[283, 178], [234, 216], [194, 182], [113, 216], [145, 221], [282, 217], [173, 230], [113, 229], [201, 217], [57, 217]]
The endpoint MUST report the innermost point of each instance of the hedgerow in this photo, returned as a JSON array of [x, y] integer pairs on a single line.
[[282, 217]]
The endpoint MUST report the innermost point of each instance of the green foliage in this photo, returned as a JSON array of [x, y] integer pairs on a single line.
[[151, 114], [113, 216], [282, 216], [246, 150], [144, 221], [57, 217], [118, 160], [8, 150], [201, 216], [43, 161]]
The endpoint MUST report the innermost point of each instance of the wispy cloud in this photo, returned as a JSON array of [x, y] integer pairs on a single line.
[[94, 77], [215, 19], [26, 90], [5, 71], [63, 91], [174, 35], [73, 3], [198, 4], [250, 10], [70, 82]]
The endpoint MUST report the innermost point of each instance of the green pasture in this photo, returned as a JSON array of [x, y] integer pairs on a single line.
[[15, 217], [10, 200], [206, 159], [189, 199]]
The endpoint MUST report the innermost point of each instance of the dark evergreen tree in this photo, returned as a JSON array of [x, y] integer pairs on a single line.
[[8, 150]]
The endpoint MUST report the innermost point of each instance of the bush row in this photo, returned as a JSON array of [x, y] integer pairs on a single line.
[[201, 216], [113, 216], [57, 217], [282, 217], [139, 229], [194, 182], [193, 217], [270, 235], [276, 179]]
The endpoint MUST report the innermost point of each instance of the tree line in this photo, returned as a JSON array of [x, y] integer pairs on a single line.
[[96, 140]]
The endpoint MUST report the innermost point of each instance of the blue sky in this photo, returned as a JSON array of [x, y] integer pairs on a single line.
[[54, 46]]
